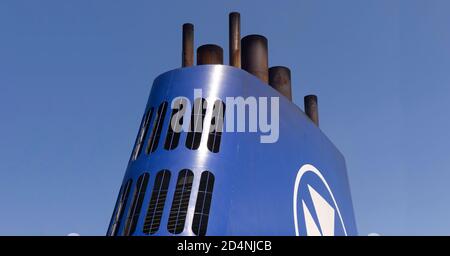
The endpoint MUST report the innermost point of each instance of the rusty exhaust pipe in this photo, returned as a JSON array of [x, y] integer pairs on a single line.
[[234, 43], [280, 80], [187, 55], [311, 108], [209, 54], [255, 56]]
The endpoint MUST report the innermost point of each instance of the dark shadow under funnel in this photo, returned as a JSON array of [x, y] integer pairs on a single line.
[[187, 55], [280, 80], [311, 108], [209, 54], [254, 56]]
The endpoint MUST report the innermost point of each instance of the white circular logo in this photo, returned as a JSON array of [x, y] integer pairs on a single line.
[[318, 210]]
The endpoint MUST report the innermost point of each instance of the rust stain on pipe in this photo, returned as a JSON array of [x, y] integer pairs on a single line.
[[209, 54], [187, 55], [311, 108], [254, 56], [280, 80], [235, 39]]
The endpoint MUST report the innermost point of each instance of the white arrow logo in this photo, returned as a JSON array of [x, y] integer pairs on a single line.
[[325, 212]]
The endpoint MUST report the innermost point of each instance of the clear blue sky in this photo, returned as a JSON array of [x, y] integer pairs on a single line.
[[75, 76]]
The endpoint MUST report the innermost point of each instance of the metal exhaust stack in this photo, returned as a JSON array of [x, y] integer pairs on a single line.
[[235, 39], [311, 108], [249, 53], [280, 80], [209, 54], [187, 56], [255, 57]]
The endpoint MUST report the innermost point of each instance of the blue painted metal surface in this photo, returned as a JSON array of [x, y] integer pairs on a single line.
[[255, 190]]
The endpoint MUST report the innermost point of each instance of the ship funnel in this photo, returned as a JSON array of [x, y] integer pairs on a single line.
[[254, 56], [311, 108], [209, 54], [280, 80], [235, 39], [187, 55]]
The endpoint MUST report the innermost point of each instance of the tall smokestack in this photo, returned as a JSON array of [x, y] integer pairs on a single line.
[[255, 56], [235, 39], [187, 55], [209, 54], [280, 80], [311, 108]]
